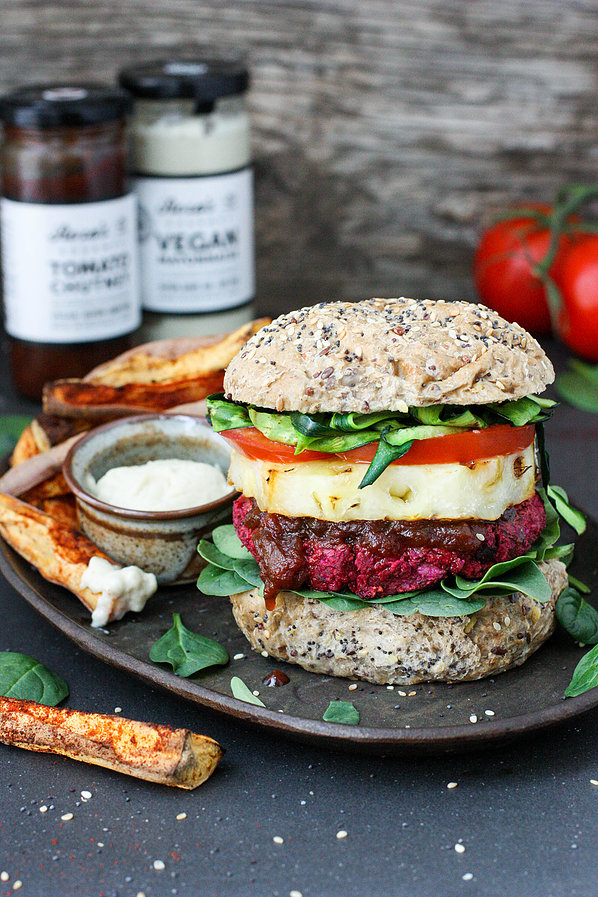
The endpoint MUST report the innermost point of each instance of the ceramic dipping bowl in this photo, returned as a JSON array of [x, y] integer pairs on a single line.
[[160, 542]]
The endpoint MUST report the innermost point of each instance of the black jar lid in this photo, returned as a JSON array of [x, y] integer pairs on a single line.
[[57, 105], [202, 79]]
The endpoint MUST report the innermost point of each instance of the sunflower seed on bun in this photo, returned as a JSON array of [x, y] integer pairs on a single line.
[[384, 355]]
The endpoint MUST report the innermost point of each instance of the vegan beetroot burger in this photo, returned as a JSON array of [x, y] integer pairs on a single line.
[[392, 522]]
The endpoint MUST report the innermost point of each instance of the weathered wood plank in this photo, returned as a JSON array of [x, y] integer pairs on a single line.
[[383, 129]]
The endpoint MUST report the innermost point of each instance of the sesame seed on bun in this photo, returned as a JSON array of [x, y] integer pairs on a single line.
[[385, 355]]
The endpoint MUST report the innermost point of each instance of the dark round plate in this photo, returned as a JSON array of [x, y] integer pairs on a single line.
[[421, 718]]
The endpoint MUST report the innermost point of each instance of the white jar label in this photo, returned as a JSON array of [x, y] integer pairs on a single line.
[[196, 241], [70, 271]]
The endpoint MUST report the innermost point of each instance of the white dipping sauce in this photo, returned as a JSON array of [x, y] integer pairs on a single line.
[[166, 485], [120, 589]]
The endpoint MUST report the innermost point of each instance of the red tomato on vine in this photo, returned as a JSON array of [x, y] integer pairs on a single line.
[[575, 274], [504, 269]]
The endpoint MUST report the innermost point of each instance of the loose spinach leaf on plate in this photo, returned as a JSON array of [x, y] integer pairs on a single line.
[[26, 678], [187, 652], [341, 712], [579, 385], [11, 427], [242, 692], [585, 674], [577, 616]]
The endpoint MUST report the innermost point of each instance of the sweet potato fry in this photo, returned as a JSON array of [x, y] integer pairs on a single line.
[[95, 401], [175, 757], [154, 377], [212, 354], [60, 553]]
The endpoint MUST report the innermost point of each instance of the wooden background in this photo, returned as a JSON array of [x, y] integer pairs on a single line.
[[383, 129]]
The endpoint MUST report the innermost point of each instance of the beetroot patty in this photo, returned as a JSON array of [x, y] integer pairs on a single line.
[[373, 558]]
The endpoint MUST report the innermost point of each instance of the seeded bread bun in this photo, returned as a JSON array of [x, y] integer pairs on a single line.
[[385, 355], [378, 646]]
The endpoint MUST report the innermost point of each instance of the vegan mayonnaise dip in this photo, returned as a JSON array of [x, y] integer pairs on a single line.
[[170, 484]]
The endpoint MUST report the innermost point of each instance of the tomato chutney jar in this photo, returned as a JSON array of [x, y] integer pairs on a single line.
[[69, 231]]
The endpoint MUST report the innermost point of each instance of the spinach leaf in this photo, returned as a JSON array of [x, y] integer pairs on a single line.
[[242, 693], [312, 424], [578, 617], [227, 541], [437, 603], [187, 652], [277, 427], [519, 575], [570, 514], [579, 585], [385, 455], [25, 678], [354, 421], [12, 427], [216, 581], [210, 553], [543, 455], [522, 411], [585, 674], [249, 571], [342, 712], [579, 385], [224, 415]]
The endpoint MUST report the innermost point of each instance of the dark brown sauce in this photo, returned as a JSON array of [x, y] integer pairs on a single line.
[[276, 679]]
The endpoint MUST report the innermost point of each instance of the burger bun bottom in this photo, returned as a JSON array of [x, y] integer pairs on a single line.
[[375, 645]]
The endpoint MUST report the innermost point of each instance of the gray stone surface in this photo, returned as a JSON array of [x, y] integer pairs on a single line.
[[524, 813]]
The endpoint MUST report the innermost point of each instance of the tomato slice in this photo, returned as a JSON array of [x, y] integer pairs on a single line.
[[458, 448]]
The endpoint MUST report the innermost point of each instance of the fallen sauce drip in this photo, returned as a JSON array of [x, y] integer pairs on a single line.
[[276, 679]]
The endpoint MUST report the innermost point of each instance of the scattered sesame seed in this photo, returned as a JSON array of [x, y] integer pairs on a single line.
[[278, 840], [100, 844], [489, 712], [159, 865], [459, 848], [17, 885], [140, 894], [507, 620], [255, 694], [238, 657], [467, 876], [353, 686], [496, 626], [43, 809], [480, 536], [181, 816], [452, 785], [473, 718], [295, 894], [342, 834], [403, 694], [4, 876], [66, 817], [412, 694], [86, 795], [118, 710], [265, 654], [594, 782], [390, 688]]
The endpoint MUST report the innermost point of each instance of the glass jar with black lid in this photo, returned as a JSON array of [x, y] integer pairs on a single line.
[[191, 159], [69, 231]]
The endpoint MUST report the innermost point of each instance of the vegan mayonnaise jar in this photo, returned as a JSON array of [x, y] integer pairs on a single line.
[[191, 160], [170, 484]]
